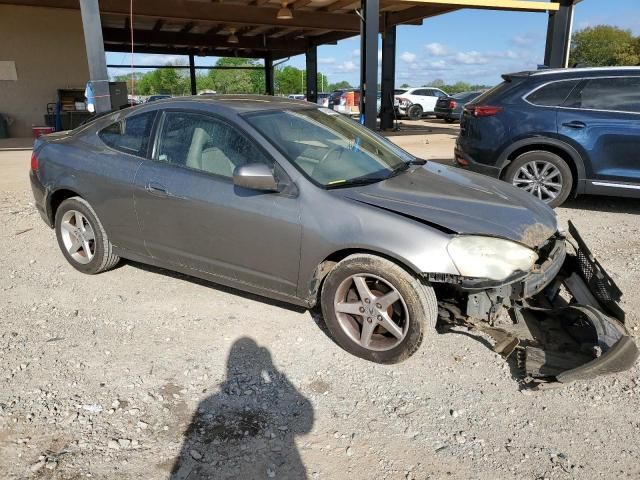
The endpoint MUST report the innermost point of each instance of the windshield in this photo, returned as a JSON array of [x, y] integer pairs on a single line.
[[330, 149]]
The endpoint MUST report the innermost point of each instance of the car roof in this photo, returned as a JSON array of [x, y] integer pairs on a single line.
[[573, 72], [235, 103]]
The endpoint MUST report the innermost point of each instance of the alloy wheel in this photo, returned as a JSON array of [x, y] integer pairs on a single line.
[[540, 178], [371, 312], [78, 236]]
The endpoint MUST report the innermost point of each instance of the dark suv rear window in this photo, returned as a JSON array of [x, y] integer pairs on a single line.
[[552, 95], [620, 94]]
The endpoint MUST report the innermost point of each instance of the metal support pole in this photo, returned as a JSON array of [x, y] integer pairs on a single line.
[[369, 30], [192, 74], [312, 74], [559, 25], [98, 74], [387, 113], [268, 75]]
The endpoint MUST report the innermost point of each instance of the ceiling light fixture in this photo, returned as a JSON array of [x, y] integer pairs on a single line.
[[232, 38], [284, 13]]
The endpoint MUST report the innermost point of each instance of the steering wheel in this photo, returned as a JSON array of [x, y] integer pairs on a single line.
[[329, 152], [318, 170]]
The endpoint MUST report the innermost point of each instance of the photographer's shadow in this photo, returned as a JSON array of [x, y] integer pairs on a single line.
[[247, 430]]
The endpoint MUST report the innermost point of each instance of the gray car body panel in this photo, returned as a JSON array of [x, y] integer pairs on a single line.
[[273, 243]]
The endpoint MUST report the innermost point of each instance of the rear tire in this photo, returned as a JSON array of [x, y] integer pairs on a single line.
[[392, 298], [414, 112], [82, 238], [543, 174]]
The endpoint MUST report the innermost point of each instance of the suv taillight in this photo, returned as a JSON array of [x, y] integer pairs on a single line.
[[452, 104], [483, 110], [34, 162]]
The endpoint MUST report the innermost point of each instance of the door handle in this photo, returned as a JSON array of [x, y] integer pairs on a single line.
[[154, 188], [575, 124]]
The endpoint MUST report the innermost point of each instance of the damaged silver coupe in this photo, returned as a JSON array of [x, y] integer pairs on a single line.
[[297, 203]]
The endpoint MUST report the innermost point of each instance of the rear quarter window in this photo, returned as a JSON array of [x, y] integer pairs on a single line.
[[553, 94], [129, 135]]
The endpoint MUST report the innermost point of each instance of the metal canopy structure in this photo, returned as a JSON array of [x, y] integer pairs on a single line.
[[260, 29]]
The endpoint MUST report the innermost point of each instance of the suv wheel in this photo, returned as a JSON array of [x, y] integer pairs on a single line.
[[376, 310], [414, 112], [82, 238], [542, 174]]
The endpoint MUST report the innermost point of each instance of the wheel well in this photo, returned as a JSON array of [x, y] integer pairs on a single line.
[[56, 199], [562, 153], [324, 267]]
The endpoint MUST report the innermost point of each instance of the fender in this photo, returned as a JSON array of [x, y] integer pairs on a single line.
[[503, 160]]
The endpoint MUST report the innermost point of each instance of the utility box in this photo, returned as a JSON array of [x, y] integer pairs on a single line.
[[119, 95]]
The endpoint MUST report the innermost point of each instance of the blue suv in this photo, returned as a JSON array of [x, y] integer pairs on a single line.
[[557, 133]]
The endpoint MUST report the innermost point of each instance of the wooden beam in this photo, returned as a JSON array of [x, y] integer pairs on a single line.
[[183, 10], [299, 4], [214, 30], [416, 14], [520, 5], [165, 7], [194, 40], [340, 4], [188, 27], [213, 51]]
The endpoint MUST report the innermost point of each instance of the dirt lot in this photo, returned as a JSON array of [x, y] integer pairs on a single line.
[[139, 372]]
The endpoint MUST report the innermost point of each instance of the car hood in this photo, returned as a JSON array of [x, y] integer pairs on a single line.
[[461, 202]]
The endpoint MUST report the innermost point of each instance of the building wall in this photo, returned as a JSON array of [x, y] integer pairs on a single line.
[[47, 45]]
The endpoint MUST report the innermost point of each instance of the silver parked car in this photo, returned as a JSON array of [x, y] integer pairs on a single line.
[[298, 203]]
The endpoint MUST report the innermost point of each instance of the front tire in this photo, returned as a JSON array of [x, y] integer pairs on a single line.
[[82, 238], [376, 310], [543, 174]]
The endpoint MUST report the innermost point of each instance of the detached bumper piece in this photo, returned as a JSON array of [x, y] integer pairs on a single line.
[[571, 329]]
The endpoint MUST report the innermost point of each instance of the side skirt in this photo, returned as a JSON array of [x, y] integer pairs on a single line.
[[218, 279]]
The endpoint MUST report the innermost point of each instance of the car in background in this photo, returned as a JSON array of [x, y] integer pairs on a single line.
[[450, 108], [334, 98], [297, 96], [323, 99], [154, 98], [416, 102], [557, 133]]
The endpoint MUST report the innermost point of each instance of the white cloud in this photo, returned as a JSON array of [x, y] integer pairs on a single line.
[[511, 54], [346, 67], [326, 61], [408, 57], [437, 49], [355, 53], [470, 58]]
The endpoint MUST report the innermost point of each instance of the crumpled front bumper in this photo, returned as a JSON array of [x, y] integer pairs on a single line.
[[567, 323]]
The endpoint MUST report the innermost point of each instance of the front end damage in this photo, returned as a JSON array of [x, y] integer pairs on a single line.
[[564, 321]]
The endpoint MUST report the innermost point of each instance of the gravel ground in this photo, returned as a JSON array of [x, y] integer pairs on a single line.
[[142, 373]]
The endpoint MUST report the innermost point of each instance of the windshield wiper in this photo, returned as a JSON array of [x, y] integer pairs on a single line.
[[354, 182]]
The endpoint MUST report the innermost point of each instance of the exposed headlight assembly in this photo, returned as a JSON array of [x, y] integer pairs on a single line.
[[487, 257]]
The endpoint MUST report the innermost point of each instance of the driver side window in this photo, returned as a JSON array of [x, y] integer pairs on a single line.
[[204, 143]]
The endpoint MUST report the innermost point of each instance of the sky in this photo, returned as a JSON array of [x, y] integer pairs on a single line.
[[475, 46]]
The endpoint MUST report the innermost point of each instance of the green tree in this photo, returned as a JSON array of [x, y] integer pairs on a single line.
[[604, 45], [163, 80], [341, 85], [236, 80], [289, 80]]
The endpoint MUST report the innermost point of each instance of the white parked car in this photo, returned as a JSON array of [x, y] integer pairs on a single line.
[[419, 101]]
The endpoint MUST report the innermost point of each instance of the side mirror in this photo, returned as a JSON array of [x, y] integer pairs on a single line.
[[255, 176]]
